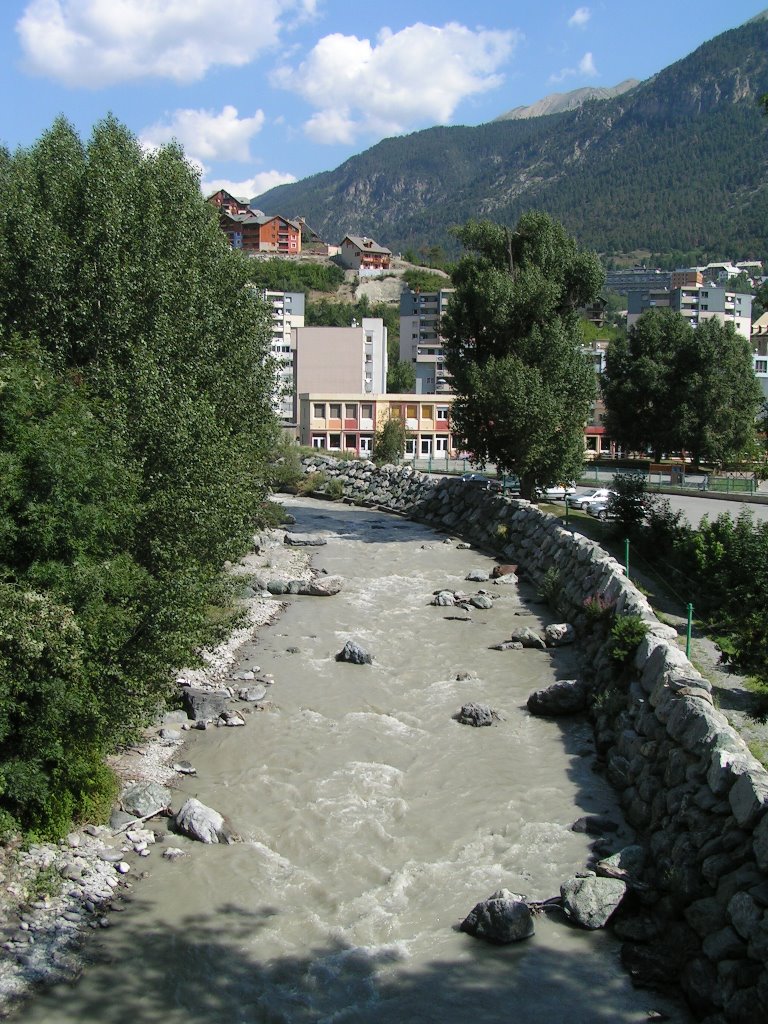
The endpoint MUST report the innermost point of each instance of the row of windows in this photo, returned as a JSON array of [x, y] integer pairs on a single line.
[[424, 446], [334, 410]]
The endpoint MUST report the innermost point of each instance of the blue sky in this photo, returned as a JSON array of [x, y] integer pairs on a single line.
[[261, 92]]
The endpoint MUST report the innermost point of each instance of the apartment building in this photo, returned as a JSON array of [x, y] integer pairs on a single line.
[[287, 314], [335, 421], [347, 360], [420, 341], [760, 351], [696, 302]]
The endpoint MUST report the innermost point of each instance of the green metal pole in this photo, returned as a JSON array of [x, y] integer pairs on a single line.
[[626, 555], [688, 632]]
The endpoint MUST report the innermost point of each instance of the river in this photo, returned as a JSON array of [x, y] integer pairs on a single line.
[[372, 822]]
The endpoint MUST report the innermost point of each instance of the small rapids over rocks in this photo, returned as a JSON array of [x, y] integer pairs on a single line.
[[373, 821]]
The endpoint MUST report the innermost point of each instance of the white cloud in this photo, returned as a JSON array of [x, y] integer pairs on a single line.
[[585, 69], [249, 187], [413, 77], [100, 42], [580, 17], [207, 135]]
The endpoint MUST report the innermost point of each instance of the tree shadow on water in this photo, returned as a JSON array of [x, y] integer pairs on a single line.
[[201, 970]]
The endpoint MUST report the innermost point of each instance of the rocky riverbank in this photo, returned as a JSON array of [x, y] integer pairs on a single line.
[[53, 896]]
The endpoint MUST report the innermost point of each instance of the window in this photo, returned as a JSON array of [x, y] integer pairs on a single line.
[[350, 441], [410, 412], [410, 446], [761, 366], [334, 411], [334, 441], [366, 443], [350, 411], [441, 412], [318, 410], [425, 446], [318, 441], [441, 445], [592, 444], [366, 411], [427, 410]]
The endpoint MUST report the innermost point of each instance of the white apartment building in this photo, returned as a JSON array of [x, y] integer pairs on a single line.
[[420, 341], [287, 313]]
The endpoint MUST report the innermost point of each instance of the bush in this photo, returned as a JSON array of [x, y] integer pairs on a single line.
[[627, 633], [599, 609], [551, 588], [389, 442]]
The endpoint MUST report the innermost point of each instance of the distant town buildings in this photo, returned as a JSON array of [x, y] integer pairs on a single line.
[[420, 340], [287, 314]]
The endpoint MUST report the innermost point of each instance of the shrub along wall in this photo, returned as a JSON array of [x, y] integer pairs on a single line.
[[698, 913]]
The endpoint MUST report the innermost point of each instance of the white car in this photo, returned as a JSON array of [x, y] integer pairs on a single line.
[[556, 491], [585, 499]]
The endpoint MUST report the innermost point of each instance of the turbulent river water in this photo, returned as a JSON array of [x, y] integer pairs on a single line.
[[373, 822]]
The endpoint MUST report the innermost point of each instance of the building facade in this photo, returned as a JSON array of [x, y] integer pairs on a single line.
[[420, 341], [334, 421], [363, 254], [287, 314], [347, 360], [695, 302]]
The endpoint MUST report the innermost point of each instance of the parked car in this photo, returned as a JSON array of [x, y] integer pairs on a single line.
[[603, 509], [486, 483], [585, 498], [556, 491]]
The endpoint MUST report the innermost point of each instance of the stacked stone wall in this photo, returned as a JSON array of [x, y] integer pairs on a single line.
[[688, 783]]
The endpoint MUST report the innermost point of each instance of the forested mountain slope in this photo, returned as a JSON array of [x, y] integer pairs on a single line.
[[680, 162]]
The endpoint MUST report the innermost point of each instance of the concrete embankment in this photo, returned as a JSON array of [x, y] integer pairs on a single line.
[[687, 781]]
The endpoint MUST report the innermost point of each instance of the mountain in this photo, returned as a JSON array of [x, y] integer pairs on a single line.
[[557, 102], [680, 162]]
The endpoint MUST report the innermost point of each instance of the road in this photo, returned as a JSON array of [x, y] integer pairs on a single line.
[[694, 509]]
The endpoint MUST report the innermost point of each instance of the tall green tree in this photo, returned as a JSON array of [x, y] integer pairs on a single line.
[[669, 387], [514, 346], [135, 433]]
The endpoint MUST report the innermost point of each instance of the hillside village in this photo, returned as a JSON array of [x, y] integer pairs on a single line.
[[331, 390]]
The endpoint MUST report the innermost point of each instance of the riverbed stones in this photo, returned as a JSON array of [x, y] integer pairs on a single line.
[[482, 601], [444, 599], [197, 821], [354, 654], [477, 576], [502, 918], [566, 697], [591, 901]]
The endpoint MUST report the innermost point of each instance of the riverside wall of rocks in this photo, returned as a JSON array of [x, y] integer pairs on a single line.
[[698, 913]]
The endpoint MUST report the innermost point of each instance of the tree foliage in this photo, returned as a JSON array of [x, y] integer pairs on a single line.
[[292, 275], [669, 387], [513, 344], [389, 442], [135, 428]]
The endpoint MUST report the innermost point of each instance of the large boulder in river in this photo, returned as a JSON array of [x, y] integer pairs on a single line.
[[558, 634], [567, 697], [476, 714], [322, 586], [305, 540], [504, 917], [203, 823], [144, 799], [204, 705], [354, 654], [527, 637], [444, 599], [590, 901]]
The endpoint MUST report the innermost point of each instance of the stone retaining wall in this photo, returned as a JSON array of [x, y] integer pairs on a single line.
[[687, 781]]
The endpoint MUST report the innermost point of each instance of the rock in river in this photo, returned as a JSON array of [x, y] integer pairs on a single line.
[[203, 823], [504, 917], [354, 654]]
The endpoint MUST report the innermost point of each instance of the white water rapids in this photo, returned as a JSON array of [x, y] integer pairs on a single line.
[[373, 822]]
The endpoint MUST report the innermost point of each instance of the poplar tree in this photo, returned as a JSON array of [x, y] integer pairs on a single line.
[[135, 432], [523, 385]]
